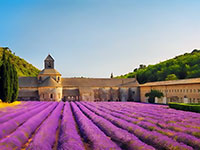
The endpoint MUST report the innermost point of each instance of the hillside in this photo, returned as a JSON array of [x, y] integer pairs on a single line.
[[23, 67], [180, 67]]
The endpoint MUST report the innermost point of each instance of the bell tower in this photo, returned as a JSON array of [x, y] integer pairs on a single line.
[[49, 62]]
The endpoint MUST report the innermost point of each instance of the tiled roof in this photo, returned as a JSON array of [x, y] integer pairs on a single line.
[[99, 82], [49, 72], [49, 57], [78, 82], [173, 82], [28, 82], [49, 82]]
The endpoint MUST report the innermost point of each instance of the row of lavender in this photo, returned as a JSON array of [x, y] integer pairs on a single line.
[[156, 125], [77, 126]]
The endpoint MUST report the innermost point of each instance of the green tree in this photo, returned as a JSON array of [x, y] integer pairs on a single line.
[[171, 77], [4, 79], [111, 76], [8, 80], [15, 84], [153, 94], [183, 67]]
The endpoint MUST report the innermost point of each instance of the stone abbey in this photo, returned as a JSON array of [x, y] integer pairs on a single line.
[[50, 86]]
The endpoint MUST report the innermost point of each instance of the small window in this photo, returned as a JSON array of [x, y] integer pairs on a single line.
[[51, 96], [49, 64], [58, 78]]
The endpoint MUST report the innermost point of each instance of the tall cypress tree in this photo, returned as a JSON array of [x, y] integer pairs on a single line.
[[2, 70], [8, 80], [5, 79], [15, 84]]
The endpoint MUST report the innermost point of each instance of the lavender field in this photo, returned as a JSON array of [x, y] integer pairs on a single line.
[[98, 126]]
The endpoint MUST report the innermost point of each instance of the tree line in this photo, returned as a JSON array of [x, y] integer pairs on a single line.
[[181, 67], [8, 80]]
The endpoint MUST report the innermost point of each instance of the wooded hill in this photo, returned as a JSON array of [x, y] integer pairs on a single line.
[[180, 67], [23, 67]]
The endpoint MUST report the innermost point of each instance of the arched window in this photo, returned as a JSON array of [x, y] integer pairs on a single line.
[[51, 96], [58, 78]]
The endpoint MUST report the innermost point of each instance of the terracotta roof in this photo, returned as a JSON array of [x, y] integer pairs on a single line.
[[28, 82], [99, 82], [49, 57], [49, 82], [49, 72], [173, 82]]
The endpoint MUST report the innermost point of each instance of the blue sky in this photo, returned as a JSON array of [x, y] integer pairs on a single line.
[[93, 38]]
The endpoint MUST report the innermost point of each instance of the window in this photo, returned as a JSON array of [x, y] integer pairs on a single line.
[[49, 64], [51, 96], [58, 78], [194, 90], [191, 90]]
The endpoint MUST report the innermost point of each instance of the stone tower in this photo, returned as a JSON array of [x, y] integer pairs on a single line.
[[50, 88], [49, 62]]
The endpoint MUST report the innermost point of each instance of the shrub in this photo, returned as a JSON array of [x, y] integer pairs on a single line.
[[185, 107], [153, 94]]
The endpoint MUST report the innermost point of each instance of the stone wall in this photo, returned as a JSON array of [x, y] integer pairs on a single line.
[[28, 94], [50, 94], [71, 94], [116, 94], [174, 93]]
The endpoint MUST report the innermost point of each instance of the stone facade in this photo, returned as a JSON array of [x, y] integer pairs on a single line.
[[182, 91], [50, 86]]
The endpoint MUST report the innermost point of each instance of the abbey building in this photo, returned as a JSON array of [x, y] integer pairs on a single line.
[[50, 86]]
